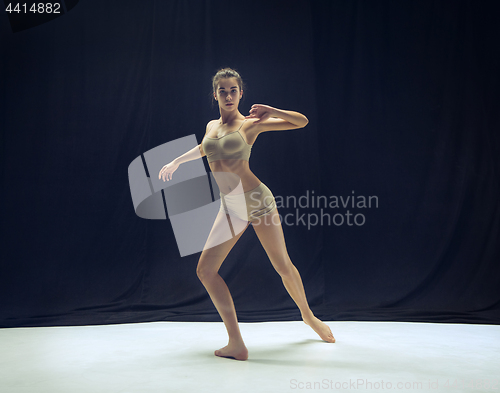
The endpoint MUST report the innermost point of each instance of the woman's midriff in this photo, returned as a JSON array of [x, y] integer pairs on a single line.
[[228, 174]]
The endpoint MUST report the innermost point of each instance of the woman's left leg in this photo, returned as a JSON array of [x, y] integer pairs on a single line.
[[270, 234]]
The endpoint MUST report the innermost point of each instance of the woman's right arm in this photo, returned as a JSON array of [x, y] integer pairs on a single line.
[[193, 154]]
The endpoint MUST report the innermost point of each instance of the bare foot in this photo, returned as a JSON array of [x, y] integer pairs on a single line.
[[321, 328], [233, 351]]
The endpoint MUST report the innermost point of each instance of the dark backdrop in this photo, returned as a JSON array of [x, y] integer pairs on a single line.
[[402, 99]]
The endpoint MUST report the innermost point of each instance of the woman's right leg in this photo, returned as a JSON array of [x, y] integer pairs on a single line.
[[207, 270]]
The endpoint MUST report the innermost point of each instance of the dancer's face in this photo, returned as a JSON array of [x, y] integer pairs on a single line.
[[228, 94]]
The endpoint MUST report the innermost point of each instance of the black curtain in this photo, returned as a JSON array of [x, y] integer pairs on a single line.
[[402, 144]]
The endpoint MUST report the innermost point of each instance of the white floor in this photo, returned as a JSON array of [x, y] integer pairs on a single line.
[[283, 357]]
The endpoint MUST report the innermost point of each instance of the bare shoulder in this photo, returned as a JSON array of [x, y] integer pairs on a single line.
[[210, 124]]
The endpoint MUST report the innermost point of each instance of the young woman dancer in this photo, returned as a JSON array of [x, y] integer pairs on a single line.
[[227, 144]]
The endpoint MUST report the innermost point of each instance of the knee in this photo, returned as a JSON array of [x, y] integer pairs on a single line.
[[205, 274], [284, 267]]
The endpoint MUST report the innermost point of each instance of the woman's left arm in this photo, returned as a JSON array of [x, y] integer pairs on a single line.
[[273, 119]]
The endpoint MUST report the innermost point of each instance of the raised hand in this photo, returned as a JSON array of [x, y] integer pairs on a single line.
[[167, 170], [262, 112]]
